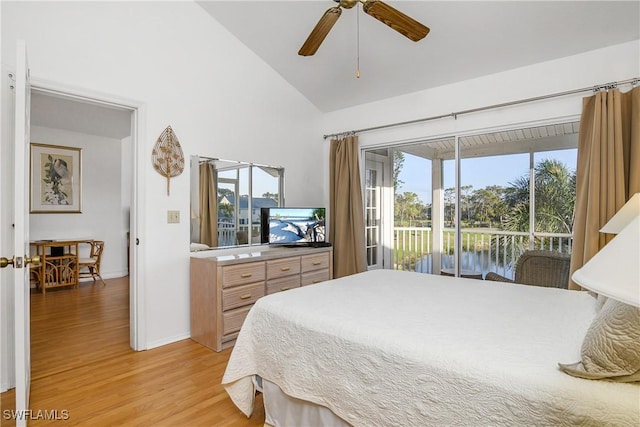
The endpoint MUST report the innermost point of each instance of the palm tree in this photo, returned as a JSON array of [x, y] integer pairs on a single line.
[[555, 195]]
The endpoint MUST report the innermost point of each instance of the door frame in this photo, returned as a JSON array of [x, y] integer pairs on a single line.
[[137, 313]]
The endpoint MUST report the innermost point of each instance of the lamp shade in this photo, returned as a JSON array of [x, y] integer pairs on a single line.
[[630, 210], [615, 270]]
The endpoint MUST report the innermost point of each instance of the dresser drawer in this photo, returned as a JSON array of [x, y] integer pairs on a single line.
[[224, 288], [241, 295], [240, 274], [232, 320], [315, 262], [314, 277], [283, 267], [283, 284]]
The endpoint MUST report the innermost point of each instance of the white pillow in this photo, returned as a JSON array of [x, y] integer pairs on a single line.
[[611, 347], [199, 247]]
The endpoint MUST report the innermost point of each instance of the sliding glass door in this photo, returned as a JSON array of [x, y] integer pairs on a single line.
[[472, 204]]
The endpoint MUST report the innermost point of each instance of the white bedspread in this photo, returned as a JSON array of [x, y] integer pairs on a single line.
[[390, 348]]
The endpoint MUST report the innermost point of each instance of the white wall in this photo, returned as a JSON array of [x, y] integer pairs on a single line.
[[614, 63], [186, 71], [102, 204]]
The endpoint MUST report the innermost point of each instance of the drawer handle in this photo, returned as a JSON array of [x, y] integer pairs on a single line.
[[317, 262], [284, 288], [245, 296], [245, 275], [285, 268]]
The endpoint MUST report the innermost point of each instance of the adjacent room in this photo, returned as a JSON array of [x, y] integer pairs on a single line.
[[321, 212]]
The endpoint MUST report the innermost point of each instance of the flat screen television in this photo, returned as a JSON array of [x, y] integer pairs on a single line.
[[293, 226]]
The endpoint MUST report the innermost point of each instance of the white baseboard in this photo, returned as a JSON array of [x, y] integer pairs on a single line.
[[168, 340], [109, 275]]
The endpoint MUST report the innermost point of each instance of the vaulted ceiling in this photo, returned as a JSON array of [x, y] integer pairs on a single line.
[[468, 39]]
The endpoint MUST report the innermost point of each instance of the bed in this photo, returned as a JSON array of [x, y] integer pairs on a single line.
[[392, 348]]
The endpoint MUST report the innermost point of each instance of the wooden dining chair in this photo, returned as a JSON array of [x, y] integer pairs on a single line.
[[90, 267]]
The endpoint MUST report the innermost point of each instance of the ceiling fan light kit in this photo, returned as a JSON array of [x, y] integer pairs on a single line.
[[379, 10]]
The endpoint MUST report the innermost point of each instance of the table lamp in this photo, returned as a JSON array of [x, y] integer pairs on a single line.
[[615, 270]]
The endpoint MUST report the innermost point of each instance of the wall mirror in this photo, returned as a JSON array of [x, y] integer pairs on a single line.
[[226, 198]]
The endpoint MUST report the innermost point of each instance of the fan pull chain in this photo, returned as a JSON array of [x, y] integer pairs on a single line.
[[358, 42]]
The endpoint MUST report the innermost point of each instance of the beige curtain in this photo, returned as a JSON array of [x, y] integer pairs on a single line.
[[208, 205], [346, 211], [608, 169]]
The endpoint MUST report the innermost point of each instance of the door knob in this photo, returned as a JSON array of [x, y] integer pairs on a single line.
[[5, 262], [34, 260]]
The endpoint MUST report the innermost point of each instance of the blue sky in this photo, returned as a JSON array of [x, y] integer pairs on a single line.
[[479, 172]]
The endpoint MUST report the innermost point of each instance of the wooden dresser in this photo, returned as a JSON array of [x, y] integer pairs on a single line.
[[224, 287]]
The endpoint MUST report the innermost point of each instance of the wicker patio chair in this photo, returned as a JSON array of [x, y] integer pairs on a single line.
[[539, 268]]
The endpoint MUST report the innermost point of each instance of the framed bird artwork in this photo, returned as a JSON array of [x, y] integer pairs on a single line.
[[56, 180]]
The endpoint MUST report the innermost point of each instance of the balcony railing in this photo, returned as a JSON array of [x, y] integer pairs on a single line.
[[483, 250], [228, 235]]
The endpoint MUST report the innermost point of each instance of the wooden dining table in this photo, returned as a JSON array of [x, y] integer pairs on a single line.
[[58, 263]]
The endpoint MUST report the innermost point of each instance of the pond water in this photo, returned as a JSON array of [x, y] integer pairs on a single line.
[[473, 261]]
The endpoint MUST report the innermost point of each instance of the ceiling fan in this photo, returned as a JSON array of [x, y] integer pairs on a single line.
[[384, 13]]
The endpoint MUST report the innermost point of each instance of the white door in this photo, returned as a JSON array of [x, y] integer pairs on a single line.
[[21, 235], [378, 207]]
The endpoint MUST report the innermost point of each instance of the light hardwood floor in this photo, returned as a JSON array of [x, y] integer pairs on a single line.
[[82, 364]]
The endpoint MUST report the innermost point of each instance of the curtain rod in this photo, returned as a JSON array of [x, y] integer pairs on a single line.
[[596, 88]]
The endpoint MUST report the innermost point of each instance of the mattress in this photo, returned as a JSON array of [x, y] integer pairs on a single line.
[[392, 348]]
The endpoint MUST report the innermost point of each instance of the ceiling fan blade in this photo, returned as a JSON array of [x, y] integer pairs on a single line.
[[320, 31], [395, 19]]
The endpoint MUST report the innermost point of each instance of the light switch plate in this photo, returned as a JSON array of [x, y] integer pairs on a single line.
[[173, 217]]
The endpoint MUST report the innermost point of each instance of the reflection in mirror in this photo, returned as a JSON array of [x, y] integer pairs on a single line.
[[226, 197]]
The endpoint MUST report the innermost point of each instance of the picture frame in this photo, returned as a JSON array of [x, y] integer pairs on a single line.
[[55, 179]]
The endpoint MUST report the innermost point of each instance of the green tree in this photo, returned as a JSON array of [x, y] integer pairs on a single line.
[[449, 206], [465, 206], [555, 195], [224, 192], [398, 163], [489, 205], [225, 212], [408, 207], [269, 195]]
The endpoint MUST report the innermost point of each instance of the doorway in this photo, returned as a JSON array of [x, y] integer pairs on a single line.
[[104, 133]]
